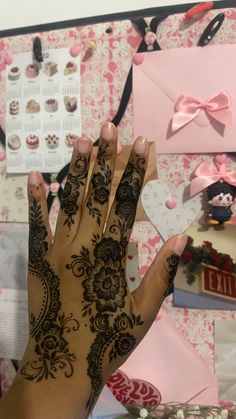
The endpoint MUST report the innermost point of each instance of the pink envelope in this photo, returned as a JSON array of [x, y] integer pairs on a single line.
[[167, 360], [204, 75]]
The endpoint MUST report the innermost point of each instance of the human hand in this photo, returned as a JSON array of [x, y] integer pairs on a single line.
[[84, 322]]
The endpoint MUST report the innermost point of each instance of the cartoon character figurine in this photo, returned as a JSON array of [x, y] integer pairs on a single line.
[[220, 186], [221, 196]]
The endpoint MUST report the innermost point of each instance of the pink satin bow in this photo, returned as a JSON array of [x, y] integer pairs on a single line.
[[206, 175], [187, 108]]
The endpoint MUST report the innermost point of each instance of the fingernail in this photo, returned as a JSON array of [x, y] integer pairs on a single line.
[[180, 244], [34, 178], [141, 146], [108, 131], [84, 145]]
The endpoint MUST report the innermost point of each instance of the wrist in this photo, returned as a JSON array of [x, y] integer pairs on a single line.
[[55, 399]]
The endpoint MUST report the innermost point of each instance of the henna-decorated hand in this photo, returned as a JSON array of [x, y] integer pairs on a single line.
[[84, 322]]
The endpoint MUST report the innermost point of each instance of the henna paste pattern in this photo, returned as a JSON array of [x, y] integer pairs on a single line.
[[105, 282], [48, 328], [114, 339], [53, 351], [127, 195], [103, 277], [72, 189], [100, 182], [173, 262]]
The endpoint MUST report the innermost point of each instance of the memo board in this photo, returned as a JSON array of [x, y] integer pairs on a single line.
[[108, 48]]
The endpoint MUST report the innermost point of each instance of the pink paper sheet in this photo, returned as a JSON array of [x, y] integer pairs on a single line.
[[164, 76], [169, 362]]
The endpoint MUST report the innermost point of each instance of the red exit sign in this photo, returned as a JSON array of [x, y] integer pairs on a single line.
[[219, 283]]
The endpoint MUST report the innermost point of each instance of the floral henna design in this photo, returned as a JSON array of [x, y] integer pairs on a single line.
[[127, 194], [48, 327], [104, 280], [103, 276], [114, 339], [105, 285], [53, 351], [172, 262], [100, 182], [38, 245], [72, 189]]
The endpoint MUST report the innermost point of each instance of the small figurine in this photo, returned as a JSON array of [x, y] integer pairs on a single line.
[[220, 186], [221, 196]]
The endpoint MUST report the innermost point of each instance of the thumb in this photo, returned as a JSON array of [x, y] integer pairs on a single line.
[[158, 280]]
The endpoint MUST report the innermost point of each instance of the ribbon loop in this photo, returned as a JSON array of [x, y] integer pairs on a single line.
[[187, 108], [206, 175]]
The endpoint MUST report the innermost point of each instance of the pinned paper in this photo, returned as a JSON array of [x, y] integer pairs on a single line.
[[13, 323], [13, 255], [225, 358], [107, 406], [169, 221], [13, 192], [157, 89], [167, 360]]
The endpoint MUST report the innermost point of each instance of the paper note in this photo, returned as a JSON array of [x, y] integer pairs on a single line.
[[159, 92], [225, 358], [13, 323], [107, 407], [42, 111], [13, 255]]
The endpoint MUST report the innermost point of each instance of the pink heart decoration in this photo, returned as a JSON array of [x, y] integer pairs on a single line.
[[138, 58], [133, 391], [75, 50], [171, 203]]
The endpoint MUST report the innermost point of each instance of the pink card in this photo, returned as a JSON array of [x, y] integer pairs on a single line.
[[169, 362], [185, 99]]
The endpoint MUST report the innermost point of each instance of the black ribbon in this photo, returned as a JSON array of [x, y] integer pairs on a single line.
[[2, 137], [141, 26], [37, 50]]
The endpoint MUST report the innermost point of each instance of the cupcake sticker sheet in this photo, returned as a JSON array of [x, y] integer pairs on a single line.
[[42, 111]]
